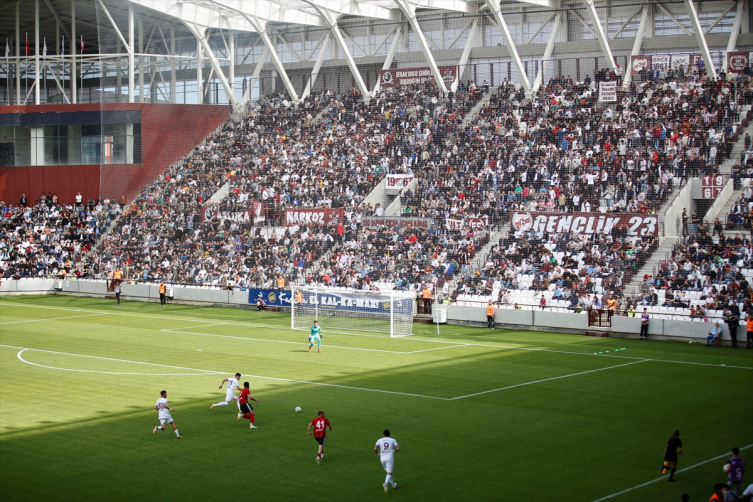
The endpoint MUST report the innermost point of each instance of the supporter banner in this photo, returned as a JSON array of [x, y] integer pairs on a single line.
[[586, 223], [695, 58], [680, 60], [396, 182], [396, 221], [276, 297], [208, 214], [317, 216], [416, 76], [607, 92], [736, 62], [470, 222], [453, 224], [660, 61], [638, 63], [711, 185]]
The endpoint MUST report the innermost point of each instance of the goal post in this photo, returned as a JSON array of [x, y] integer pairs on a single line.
[[352, 309]]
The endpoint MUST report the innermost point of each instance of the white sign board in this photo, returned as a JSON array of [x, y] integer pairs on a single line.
[[396, 182], [607, 92], [680, 60], [660, 61]]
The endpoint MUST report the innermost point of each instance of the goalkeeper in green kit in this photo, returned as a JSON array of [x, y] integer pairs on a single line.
[[315, 336]]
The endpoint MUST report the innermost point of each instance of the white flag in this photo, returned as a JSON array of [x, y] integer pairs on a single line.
[[62, 48], [44, 49]]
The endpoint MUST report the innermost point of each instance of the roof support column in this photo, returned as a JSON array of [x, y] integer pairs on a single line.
[[466, 53], [74, 41], [330, 19], [547, 52], [701, 39], [199, 74], [200, 33], [129, 48], [599, 31], [645, 21], [317, 66], [36, 53], [231, 59], [18, 53], [390, 56], [261, 29], [502, 26], [409, 11], [255, 76], [742, 11]]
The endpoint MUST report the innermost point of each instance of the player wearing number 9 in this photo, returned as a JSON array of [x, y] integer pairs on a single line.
[[386, 447]]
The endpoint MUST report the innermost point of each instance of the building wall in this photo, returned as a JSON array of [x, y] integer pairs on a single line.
[[168, 133]]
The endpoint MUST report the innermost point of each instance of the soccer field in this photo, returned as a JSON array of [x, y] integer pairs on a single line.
[[479, 414]]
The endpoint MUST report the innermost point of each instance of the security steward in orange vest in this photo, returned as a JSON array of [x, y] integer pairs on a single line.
[[490, 310], [162, 293], [749, 343], [426, 295]]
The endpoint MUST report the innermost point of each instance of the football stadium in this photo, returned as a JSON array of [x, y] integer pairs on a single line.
[[368, 249]]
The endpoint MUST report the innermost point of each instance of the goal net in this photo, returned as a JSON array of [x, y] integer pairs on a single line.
[[350, 309]]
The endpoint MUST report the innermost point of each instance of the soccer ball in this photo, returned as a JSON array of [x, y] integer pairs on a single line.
[[297, 409]]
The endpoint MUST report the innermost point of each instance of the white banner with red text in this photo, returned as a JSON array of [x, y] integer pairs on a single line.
[[585, 223], [313, 216]]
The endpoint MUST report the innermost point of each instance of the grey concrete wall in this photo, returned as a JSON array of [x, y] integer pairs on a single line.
[[27, 286], [566, 322]]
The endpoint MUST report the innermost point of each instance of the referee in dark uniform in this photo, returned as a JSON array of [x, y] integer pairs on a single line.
[[670, 454]]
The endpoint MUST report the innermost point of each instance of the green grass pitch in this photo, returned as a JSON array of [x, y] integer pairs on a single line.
[[479, 414]]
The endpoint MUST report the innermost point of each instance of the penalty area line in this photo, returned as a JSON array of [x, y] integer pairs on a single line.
[[664, 477], [53, 318], [547, 380]]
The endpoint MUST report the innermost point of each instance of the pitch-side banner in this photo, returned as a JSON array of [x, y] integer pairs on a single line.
[[638, 63], [736, 62], [317, 216], [585, 223], [396, 221], [276, 297], [416, 76], [607, 92], [396, 182]]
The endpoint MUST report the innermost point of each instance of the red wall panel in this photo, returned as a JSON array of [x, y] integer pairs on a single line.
[[168, 132]]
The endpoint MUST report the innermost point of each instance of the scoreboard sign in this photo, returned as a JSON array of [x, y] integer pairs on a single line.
[[711, 185]]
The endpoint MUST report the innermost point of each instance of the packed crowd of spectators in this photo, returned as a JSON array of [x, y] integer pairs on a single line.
[[49, 238], [557, 152]]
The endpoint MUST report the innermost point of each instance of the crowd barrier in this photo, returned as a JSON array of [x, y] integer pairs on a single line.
[[535, 319]]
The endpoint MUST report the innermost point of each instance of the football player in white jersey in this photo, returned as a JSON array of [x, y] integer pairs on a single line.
[[164, 415], [232, 383], [386, 447]]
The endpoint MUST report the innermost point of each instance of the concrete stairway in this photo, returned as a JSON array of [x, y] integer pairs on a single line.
[[650, 267], [473, 112]]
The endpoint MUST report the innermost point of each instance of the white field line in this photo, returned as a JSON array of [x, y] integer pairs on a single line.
[[209, 372], [439, 348], [52, 318], [530, 349], [664, 477], [547, 380], [112, 372], [192, 327]]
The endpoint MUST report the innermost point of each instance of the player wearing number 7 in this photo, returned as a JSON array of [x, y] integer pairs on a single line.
[[315, 336], [386, 448], [232, 383]]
